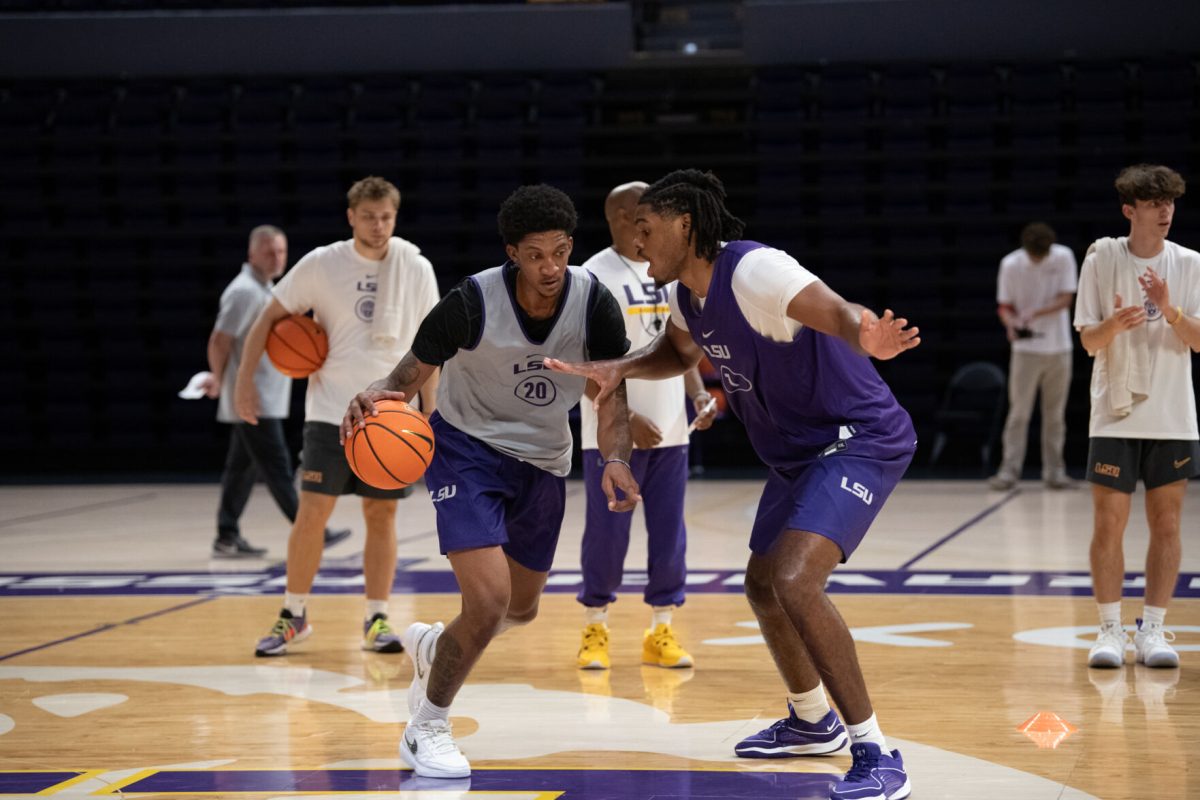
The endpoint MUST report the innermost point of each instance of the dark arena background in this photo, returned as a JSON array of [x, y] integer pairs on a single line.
[[896, 148]]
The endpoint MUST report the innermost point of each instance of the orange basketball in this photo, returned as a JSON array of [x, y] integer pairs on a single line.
[[394, 448], [297, 346]]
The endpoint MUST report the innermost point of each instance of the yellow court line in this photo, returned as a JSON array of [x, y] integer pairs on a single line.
[[660, 309], [80, 778], [134, 778]]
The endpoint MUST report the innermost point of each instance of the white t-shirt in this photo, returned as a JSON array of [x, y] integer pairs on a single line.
[[645, 311], [764, 282], [1028, 286], [339, 286], [1169, 412]]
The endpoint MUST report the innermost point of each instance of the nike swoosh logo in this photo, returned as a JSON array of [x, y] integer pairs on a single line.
[[706, 335], [1179, 464], [412, 745]]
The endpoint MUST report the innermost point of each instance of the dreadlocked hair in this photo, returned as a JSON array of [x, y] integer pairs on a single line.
[[701, 194]]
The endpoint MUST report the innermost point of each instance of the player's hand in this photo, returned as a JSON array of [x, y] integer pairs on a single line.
[[607, 375], [618, 477], [1155, 288], [245, 400], [646, 435], [1127, 317], [210, 386], [362, 405], [705, 404], [886, 337]]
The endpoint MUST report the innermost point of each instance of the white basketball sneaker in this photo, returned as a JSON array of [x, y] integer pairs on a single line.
[[420, 641], [1109, 649], [1151, 643], [431, 751]]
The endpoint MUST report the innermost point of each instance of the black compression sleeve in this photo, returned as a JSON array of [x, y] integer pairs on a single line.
[[454, 323]]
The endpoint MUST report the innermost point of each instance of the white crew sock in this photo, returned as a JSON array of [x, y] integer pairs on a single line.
[[810, 706], [1109, 613], [428, 712], [660, 615], [868, 731], [596, 615], [1153, 615], [376, 607], [295, 603]]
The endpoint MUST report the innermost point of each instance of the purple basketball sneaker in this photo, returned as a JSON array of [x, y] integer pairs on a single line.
[[792, 736], [874, 776]]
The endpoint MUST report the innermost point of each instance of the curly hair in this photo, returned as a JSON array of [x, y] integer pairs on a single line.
[[701, 194], [535, 209], [1149, 182]]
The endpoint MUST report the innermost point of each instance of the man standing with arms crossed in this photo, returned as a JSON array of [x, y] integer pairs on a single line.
[[369, 293], [1139, 298], [658, 423]]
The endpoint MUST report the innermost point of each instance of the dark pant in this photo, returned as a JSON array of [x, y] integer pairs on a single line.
[[254, 450]]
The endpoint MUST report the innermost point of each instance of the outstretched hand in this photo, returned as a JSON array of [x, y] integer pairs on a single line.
[[362, 405], [605, 374], [886, 337]]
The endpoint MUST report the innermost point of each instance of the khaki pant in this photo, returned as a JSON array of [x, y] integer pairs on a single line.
[[1028, 373]]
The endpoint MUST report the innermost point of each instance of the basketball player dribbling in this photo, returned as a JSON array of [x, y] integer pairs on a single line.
[[793, 361], [503, 445]]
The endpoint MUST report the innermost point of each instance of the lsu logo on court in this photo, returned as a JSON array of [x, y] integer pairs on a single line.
[[1111, 470], [859, 491], [444, 493]]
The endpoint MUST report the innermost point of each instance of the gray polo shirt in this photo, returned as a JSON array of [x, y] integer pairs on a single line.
[[241, 302]]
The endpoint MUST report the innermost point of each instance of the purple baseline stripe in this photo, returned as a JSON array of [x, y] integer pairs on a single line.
[[32, 782], [591, 784], [969, 523], [109, 626], [349, 581]]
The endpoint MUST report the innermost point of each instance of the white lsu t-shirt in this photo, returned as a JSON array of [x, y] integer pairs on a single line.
[[339, 285], [764, 282], [642, 306], [1169, 412], [1028, 286]]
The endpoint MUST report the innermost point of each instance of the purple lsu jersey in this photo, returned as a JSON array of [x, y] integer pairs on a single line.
[[797, 399]]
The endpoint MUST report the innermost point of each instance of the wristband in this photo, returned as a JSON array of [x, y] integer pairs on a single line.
[[608, 461], [1178, 315]]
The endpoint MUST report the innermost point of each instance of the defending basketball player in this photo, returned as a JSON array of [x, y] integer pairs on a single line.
[[503, 445], [369, 293], [793, 360]]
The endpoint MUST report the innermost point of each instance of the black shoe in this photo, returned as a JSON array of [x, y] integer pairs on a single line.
[[237, 548], [333, 536]]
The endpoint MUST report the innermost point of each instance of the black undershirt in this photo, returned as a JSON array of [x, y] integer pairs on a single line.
[[455, 323]]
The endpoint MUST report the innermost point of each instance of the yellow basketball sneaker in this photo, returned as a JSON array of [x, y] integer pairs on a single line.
[[593, 652], [662, 649]]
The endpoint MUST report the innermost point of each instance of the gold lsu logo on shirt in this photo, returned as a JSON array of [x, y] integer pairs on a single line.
[[1111, 470]]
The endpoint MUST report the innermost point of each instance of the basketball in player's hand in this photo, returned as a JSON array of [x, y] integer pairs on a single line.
[[297, 346], [394, 448]]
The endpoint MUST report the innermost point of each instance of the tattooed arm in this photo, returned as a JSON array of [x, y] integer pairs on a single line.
[[403, 382]]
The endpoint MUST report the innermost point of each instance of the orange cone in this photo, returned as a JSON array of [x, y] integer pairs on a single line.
[[1046, 729]]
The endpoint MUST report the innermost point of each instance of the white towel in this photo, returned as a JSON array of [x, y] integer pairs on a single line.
[[387, 322], [1129, 359]]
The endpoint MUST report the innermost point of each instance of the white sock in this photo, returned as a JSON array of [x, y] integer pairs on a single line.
[[810, 706], [428, 712], [868, 731], [295, 603], [660, 615], [1109, 613], [376, 607], [1153, 615], [596, 615]]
